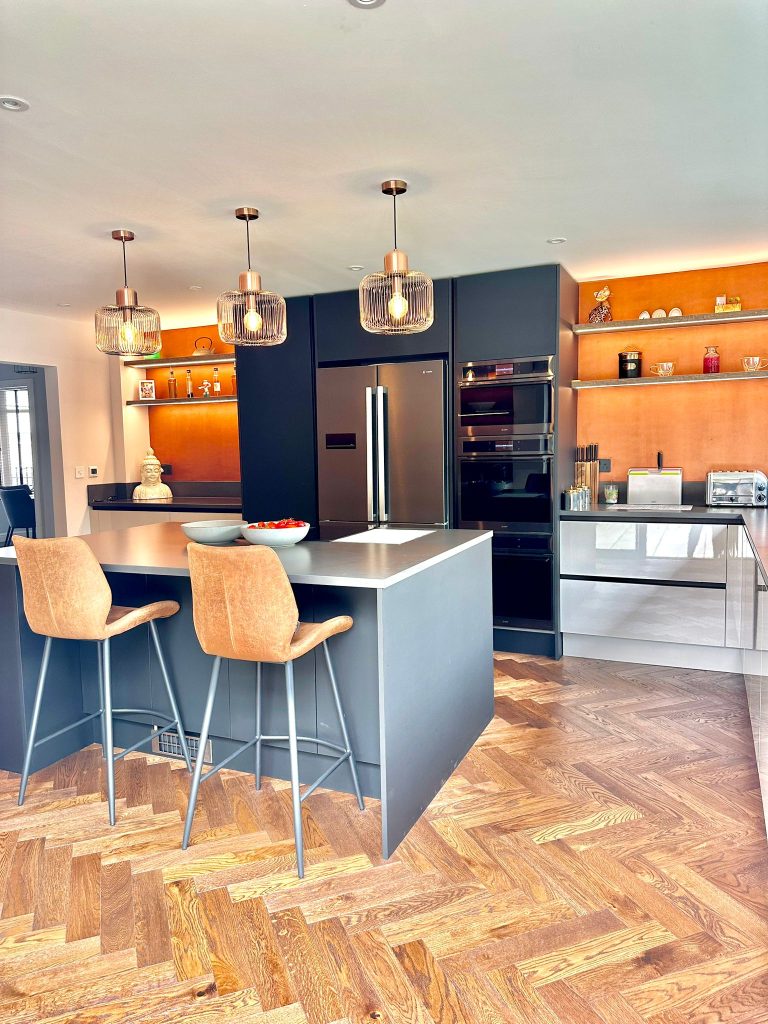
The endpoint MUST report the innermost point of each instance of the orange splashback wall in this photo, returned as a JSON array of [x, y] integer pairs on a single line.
[[702, 426], [200, 442]]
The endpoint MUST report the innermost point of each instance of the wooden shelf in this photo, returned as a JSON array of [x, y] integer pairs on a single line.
[[682, 378], [695, 320], [217, 359], [183, 401]]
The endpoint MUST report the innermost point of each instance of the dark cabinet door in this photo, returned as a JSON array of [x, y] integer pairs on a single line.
[[339, 337], [505, 314], [276, 413]]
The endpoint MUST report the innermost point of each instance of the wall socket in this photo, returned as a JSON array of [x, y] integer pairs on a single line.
[[605, 465], [79, 472], [93, 471]]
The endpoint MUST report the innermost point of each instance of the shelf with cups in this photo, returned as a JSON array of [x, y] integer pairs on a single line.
[[211, 399], [152, 363], [657, 323], [679, 378]]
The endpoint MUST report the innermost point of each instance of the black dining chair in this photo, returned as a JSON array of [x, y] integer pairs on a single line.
[[19, 507]]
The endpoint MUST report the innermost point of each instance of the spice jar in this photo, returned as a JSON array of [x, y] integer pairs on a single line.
[[630, 364], [711, 359]]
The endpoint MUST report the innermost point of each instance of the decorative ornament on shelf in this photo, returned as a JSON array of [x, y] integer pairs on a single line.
[[152, 487], [205, 387], [398, 301], [659, 314], [601, 313], [675, 311], [645, 315], [127, 329], [726, 304], [251, 316], [203, 347]]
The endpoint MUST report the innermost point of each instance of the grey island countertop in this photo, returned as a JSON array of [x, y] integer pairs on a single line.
[[161, 549]]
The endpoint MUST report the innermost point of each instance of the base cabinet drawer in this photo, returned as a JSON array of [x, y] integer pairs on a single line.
[[640, 611]]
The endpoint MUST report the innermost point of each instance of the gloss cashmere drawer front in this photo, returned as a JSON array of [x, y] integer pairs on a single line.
[[678, 552], [644, 611]]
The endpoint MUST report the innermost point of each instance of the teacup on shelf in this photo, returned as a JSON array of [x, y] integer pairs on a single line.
[[752, 363], [663, 369]]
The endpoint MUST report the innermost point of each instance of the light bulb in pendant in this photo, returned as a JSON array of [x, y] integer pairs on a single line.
[[252, 321], [397, 306], [128, 333]]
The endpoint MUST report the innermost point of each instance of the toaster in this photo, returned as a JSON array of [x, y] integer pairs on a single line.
[[737, 487]]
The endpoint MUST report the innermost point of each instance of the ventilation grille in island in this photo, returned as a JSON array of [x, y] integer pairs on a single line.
[[168, 744]]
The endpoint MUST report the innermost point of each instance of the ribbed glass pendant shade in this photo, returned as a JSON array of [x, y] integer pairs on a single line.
[[399, 300], [251, 318], [396, 303], [127, 329], [137, 336]]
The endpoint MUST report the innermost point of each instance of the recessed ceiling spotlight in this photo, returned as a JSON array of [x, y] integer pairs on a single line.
[[13, 103], [366, 3], [556, 241], [63, 305], [355, 266], [195, 287]]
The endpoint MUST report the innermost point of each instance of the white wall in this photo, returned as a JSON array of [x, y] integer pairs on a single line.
[[84, 396]]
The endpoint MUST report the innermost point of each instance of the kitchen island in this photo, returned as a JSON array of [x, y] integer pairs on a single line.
[[415, 672]]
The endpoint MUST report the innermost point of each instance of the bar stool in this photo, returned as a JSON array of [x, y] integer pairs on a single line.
[[244, 609], [19, 507], [67, 596]]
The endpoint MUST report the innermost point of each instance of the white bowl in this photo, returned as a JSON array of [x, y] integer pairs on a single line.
[[275, 538], [213, 531]]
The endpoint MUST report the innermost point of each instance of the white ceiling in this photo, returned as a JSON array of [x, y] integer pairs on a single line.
[[637, 130]]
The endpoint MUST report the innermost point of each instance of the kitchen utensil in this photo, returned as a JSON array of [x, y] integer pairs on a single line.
[[658, 486], [663, 369], [752, 363], [285, 538], [675, 311], [658, 314], [213, 531], [203, 347]]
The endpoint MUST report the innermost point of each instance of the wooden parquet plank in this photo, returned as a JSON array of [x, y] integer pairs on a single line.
[[598, 857]]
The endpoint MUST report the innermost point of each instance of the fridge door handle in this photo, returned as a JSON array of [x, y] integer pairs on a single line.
[[370, 476], [381, 453]]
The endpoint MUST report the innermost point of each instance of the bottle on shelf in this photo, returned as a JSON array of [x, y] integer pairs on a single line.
[[234, 380], [216, 382], [173, 391], [190, 388], [711, 360]]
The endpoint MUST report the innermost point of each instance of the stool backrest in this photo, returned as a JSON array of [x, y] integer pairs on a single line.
[[19, 506], [242, 603], [66, 593]]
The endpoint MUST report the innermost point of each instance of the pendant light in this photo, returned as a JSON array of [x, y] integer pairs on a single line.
[[251, 316], [399, 301], [127, 329]]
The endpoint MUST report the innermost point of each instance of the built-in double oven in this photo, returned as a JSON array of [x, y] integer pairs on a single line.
[[505, 461]]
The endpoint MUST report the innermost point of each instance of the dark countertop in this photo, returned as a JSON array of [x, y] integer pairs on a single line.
[[161, 549], [755, 520], [179, 503]]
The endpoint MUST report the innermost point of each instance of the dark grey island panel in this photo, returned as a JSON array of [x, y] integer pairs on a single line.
[[415, 672]]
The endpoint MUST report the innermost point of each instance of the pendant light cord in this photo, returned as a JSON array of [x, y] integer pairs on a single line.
[[394, 215], [248, 241], [125, 266]]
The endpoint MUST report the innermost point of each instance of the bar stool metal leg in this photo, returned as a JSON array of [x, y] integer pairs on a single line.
[[171, 695], [258, 725], [108, 733], [101, 700], [35, 719], [343, 724], [294, 752], [201, 751]]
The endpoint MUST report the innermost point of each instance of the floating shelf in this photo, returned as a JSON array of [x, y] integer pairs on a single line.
[[183, 401], [695, 320], [681, 378], [216, 359]]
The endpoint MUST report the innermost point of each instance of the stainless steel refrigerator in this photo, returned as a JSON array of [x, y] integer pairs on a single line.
[[381, 446]]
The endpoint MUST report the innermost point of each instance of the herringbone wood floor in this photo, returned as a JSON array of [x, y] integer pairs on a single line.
[[598, 858]]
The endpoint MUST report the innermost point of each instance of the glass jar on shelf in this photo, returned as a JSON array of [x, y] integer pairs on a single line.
[[711, 359]]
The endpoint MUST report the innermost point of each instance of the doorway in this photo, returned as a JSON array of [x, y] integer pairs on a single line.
[[25, 451]]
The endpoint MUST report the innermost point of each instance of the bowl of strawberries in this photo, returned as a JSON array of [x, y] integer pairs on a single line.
[[275, 533]]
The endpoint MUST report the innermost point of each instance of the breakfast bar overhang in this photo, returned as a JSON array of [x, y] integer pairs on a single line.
[[415, 672]]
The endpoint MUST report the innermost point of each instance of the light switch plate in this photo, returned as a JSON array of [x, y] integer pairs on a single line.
[[79, 472]]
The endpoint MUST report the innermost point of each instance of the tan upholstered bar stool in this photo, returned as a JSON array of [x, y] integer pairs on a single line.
[[67, 596], [244, 608]]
